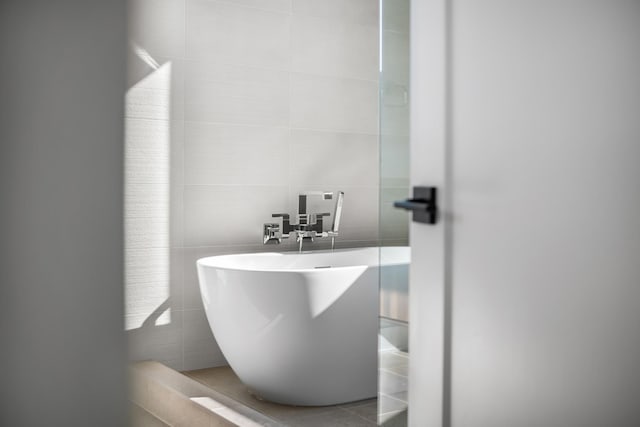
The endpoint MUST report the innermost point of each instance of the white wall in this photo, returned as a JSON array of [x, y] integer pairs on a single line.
[[541, 281], [546, 243], [235, 107], [62, 80]]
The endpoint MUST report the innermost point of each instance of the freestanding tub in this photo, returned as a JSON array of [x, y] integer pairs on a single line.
[[298, 328]]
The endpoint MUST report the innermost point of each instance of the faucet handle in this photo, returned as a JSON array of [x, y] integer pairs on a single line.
[[284, 216], [271, 233], [286, 224], [318, 220]]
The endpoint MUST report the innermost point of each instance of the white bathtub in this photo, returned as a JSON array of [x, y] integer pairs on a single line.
[[299, 329]]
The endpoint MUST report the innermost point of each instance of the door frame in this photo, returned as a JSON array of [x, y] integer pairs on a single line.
[[429, 306]]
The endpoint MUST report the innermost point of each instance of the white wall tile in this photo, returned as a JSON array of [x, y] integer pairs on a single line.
[[203, 360], [191, 290], [155, 204], [142, 300], [338, 159], [192, 294], [396, 120], [153, 151], [241, 118], [222, 154], [334, 104], [228, 215], [394, 167], [359, 215], [154, 80], [395, 57], [395, 15], [327, 47], [157, 93], [147, 167], [356, 11], [197, 333], [176, 187], [161, 342], [176, 223], [156, 284], [176, 278], [391, 194], [273, 5], [236, 94], [148, 136], [395, 84], [394, 223], [157, 26], [146, 200], [149, 265], [146, 232], [229, 33]]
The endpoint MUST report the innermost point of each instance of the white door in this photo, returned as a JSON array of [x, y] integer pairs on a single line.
[[525, 298]]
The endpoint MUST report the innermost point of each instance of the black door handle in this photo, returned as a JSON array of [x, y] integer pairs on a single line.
[[423, 205]]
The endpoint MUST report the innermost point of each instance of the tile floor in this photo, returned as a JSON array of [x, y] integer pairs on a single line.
[[392, 396], [225, 381], [161, 396], [393, 387]]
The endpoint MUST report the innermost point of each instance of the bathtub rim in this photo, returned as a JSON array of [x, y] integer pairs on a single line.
[[209, 261]]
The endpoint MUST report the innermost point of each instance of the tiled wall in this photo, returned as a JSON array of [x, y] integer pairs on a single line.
[[394, 119], [234, 107]]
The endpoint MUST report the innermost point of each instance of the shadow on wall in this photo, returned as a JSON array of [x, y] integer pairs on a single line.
[[150, 334], [158, 337]]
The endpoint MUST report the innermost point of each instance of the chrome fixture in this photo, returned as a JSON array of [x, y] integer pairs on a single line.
[[307, 226]]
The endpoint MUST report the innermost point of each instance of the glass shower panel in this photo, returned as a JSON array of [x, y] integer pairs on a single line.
[[394, 223]]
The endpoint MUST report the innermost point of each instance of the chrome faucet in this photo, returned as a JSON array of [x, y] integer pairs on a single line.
[[307, 226]]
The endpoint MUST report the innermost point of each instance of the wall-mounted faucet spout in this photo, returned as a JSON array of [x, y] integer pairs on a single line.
[[308, 225]]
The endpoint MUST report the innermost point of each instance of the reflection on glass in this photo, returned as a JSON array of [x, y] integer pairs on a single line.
[[394, 224]]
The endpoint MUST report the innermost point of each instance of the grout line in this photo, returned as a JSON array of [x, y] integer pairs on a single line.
[[325, 130], [392, 412], [336, 77], [181, 184], [398, 353], [398, 32], [151, 119], [290, 157], [358, 415], [245, 6], [279, 126], [207, 61], [354, 187], [348, 409], [194, 309], [237, 124], [388, 371], [385, 395]]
